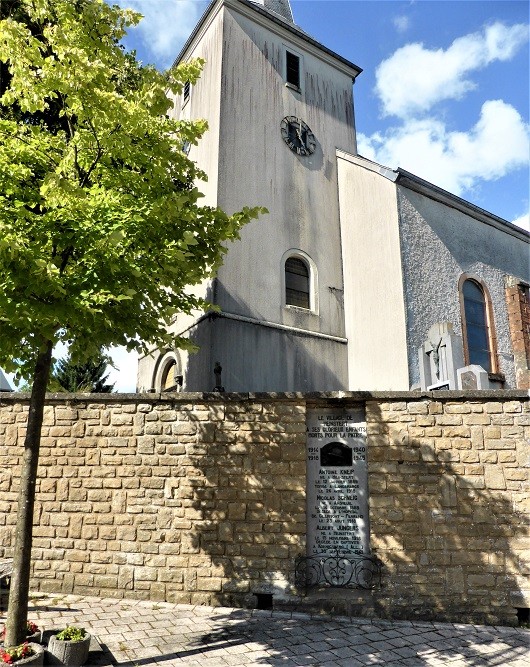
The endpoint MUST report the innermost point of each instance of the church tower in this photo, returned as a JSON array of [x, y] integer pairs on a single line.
[[278, 105]]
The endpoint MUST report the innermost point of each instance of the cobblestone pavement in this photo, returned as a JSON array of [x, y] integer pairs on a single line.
[[134, 634]]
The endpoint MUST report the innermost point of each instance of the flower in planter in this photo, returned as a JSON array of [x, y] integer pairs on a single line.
[[13, 654], [71, 634], [31, 629], [69, 647]]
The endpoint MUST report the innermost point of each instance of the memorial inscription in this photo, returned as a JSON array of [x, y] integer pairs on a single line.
[[337, 493]]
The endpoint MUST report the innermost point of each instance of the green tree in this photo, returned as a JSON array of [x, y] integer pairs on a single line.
[[90, 375], [101, 229]]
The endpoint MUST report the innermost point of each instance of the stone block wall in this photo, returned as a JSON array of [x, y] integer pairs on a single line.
[[449, 506], [201, 499], [181, 500]]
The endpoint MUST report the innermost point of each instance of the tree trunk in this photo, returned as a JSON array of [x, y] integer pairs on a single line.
[[17, 611]]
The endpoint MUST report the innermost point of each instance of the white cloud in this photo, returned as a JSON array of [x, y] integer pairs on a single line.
[[523, 221], [415, 78], [455, 161], [165, 26], [401, 23]]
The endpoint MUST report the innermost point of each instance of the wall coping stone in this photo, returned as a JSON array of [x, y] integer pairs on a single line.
[[231, 397]]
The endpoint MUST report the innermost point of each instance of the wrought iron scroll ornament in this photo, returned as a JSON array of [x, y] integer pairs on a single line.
[[338, 570]]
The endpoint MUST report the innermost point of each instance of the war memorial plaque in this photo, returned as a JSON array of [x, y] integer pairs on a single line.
[[337, 483]]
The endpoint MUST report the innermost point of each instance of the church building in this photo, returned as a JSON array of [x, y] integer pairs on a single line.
[[360, 277]]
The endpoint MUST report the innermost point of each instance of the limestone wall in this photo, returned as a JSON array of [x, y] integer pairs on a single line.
[[201, 499], [449, 505]]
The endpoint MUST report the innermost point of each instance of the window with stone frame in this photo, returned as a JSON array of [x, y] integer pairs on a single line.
[[477, 325], [170, 378]]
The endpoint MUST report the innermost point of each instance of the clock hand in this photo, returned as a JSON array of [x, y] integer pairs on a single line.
[[299, 133]]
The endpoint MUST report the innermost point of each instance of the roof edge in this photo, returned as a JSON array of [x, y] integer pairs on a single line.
[[420, 185], [412, 182]]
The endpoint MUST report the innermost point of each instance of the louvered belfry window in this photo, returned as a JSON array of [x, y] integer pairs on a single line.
[[293, 69], [296, 283]]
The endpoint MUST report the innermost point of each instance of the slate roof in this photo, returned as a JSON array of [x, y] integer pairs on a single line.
[[281, 7], [4, 384]]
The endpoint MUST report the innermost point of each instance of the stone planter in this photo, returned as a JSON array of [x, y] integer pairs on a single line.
[[35, 660], [36, 638], [68, 653]]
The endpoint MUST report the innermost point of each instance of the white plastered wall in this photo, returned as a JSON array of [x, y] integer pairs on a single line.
[[373, 281], [257, 168], [204, 103]]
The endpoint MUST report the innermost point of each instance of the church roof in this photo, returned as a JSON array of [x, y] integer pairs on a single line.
[[280, 7], [279, 12], [408, 180]]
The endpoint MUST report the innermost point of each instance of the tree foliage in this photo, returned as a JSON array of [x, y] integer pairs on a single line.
[[101, 229], [90, 375]]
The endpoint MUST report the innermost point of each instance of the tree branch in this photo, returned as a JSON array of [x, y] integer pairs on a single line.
[[99, 154]]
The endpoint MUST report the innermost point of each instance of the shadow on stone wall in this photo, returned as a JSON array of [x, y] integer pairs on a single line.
[[203, 501], [244, 495], [447, 513], [447, 516]]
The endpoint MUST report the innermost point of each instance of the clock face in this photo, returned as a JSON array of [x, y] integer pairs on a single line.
[[298, 136]]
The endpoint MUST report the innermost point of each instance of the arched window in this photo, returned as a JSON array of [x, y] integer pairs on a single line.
[[477, 325], [168, 376], [297, 284]]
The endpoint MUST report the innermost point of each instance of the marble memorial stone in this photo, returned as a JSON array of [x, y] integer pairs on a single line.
[[337, 483]]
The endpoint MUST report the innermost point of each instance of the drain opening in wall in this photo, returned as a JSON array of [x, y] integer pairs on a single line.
[[523, 616], [264, 600]]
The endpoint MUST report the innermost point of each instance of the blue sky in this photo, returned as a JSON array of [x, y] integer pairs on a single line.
[[444, 91]]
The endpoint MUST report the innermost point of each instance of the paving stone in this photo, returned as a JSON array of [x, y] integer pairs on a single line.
[[344, 652], [350, 662], [399, 642], [363, 649], [192, 636], [391, 634], [324, 656], [406, 652], [382, 645], [338, 642]]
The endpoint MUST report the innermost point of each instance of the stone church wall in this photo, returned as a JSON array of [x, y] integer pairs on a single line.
[[201, 499]]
